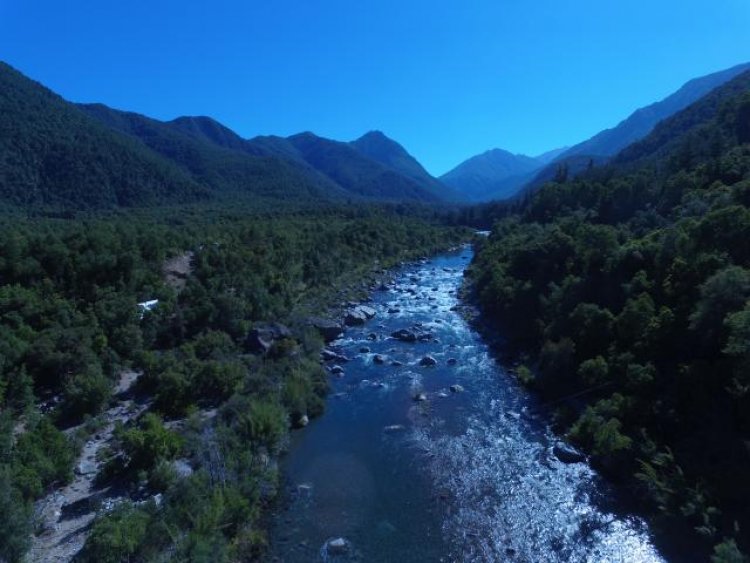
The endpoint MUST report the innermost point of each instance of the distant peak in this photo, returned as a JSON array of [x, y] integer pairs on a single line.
[[195, 118], [374, 136]]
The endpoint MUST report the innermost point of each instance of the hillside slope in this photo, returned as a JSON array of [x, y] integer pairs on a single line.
[[491, 175], [357, 173], [389, 153], [216, 157], [641, 122], [52, 154]]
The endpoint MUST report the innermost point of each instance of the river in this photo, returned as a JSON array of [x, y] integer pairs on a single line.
[[464, 474]]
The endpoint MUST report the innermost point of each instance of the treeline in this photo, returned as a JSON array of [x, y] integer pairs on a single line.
[[70, 322], [625, 295]]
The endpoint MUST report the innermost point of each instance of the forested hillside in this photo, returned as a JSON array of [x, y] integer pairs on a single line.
[[55, 155], [626, 295], [357, 173], [70, 325], [215, 157], [388, 152], [51, 154]]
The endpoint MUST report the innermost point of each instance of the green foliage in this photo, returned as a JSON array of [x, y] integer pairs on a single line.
[[15, 524], [148, 443], [41, 456], [263, 423], [117, 536], [629, 285], [727, 551]]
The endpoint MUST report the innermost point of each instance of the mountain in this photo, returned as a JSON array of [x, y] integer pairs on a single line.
[[300, 167], [601, 147], [498, 174], [549, 156], [357, 173], [698, 132], [216, 157], [62, 155], [641, 122], [389, 153], [491, 175], [52, 154]]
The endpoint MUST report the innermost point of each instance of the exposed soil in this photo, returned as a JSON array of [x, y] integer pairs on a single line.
[[176, 270], [64, 517]]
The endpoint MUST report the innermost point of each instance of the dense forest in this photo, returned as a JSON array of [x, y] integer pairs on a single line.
[[70, 325], [625, 294]]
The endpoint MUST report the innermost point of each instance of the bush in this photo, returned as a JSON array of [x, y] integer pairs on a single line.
[[42, 456], [149, 443], [15, 525], [116, 536]]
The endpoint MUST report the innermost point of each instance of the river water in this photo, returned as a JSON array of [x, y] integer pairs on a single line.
[[461, 476]]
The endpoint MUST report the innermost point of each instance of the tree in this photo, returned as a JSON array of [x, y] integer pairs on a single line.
[[723, 293]]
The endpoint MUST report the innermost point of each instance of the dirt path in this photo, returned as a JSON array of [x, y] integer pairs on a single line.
[[65, 516]]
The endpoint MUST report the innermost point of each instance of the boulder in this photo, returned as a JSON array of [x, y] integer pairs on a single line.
[[359, 315], [405, 335], [368, 311], [301, 421], [338, 370], [456, 388], [428, 361], [567, 453], [378, 359], [420, 397], [331, 356], [452, 361], [355, 317], [263, 335], [364, 350], [86, 467], [328, 329], [394, 310]]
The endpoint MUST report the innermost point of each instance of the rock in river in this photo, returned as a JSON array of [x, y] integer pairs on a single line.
[[567, 453], [405, 335], [359, 315], [330, 355], [456, 388], [428, 361]]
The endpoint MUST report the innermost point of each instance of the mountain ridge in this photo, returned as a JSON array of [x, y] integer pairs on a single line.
[[57, 154]]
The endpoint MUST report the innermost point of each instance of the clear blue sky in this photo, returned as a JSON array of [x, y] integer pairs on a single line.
[[446, 79]]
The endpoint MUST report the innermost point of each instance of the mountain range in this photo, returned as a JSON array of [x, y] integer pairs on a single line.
[[498, 174], [56, 154]]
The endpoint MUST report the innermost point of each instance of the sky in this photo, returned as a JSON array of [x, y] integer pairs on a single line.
[[447, 80]]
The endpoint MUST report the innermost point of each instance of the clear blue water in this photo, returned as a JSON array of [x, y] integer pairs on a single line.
[[465, 476]]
